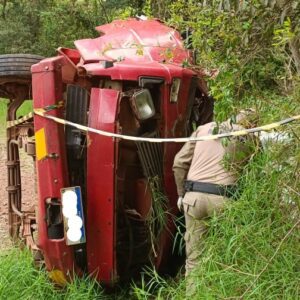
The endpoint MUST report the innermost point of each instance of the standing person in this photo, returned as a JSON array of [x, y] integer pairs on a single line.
[[203, 182]]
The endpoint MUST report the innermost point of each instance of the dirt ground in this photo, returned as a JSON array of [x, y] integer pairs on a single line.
[[28, 189]]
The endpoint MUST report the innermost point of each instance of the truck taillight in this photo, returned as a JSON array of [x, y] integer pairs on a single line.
[[72, 211]]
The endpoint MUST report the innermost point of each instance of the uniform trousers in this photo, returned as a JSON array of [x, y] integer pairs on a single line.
[[198, 207]]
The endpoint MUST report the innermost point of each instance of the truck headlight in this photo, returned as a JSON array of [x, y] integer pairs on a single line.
[[73, 215], [142, 104]]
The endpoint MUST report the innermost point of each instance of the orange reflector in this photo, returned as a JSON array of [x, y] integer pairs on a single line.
[[40, 144], [58, 277]]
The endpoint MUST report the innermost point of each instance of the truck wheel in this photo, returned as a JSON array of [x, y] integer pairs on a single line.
[[17, 64], [15, 73]]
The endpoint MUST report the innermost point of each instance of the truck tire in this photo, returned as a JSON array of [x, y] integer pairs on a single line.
[[15, 85], [15, 69], [17, 65]]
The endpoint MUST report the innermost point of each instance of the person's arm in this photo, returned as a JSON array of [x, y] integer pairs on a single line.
[[182, 164]]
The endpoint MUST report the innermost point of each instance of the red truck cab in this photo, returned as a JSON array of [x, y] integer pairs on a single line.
[[135, 79]]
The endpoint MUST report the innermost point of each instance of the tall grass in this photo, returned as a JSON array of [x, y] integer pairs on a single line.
[[19, 279]]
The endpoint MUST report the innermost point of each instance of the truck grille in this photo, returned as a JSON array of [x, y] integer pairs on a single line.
[[151, 156]]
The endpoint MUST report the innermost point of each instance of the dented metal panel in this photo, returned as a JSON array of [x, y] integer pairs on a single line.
[[136, 41]]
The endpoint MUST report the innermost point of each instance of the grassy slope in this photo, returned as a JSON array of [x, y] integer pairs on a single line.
[[250, 250]]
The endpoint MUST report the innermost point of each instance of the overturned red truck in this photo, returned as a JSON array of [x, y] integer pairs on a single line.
[[105, 206]]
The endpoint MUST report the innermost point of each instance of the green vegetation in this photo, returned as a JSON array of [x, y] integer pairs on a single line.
[[3, 107], [24, 109], [41, 26], [19, 278], [158, 214], [252, 249]]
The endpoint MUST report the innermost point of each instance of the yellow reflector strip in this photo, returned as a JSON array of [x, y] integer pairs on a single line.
[[40, 144], [58, 277]]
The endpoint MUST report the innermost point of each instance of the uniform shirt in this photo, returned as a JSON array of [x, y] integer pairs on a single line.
[[203, 160]]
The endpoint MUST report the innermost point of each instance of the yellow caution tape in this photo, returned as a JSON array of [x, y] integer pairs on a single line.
[[267, 127], [13, 123], [29, 116]]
